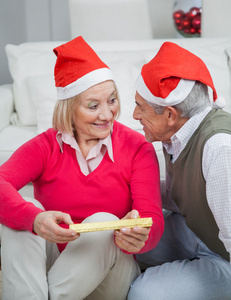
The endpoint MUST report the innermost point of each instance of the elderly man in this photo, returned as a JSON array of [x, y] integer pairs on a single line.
[[192, 260]]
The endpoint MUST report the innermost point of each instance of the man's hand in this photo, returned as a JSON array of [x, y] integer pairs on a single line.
[[131, 239], [46, 226]]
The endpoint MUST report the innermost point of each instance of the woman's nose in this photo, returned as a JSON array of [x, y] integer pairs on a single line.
[[106, 113]]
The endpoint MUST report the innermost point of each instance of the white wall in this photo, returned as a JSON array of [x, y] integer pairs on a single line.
[[161, 18], [29, 21], [216, 21]]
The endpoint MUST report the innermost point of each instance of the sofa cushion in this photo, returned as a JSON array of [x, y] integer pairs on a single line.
[[28, 60], [6, 104], [42, 92], [12, 137]]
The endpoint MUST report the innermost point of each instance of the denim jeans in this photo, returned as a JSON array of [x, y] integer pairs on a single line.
[[181, 267]]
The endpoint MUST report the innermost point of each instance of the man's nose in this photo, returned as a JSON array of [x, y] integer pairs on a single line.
[[136, 114]]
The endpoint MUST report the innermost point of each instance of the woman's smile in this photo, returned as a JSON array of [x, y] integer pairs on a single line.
[[96, 112], [102, 125]]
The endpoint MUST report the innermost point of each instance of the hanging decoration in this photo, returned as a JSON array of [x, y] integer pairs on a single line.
[[187, 21]]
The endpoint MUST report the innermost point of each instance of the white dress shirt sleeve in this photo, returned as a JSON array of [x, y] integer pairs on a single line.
[[216, 165]]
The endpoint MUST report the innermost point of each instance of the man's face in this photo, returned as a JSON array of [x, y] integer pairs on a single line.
[[155, 126]]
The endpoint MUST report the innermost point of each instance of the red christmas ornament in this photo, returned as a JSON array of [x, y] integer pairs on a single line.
[[179, 14], [178, 22], [185, 23], [188, 15], [186, 30], [196, 22], [193, 30], [188, 23], [194, 11]]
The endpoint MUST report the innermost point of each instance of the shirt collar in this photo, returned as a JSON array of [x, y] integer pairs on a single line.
[[70, 140], [180, 139]]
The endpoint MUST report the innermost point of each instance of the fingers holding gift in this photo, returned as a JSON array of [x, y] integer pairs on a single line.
[[131, 240]]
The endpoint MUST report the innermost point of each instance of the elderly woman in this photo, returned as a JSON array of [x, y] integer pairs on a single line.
[[87, 168]]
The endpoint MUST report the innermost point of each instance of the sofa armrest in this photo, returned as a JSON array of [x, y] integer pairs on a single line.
[[6, 104]]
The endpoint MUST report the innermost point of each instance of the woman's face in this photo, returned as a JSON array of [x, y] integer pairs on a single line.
[[96, 111]]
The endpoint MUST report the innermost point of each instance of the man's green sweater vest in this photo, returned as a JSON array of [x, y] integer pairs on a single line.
[[188, 187]]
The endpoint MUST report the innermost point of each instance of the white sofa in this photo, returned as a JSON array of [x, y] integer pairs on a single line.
[[26, 105]]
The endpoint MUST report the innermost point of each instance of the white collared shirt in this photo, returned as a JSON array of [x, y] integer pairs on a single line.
[[216, 166], [95, 155]]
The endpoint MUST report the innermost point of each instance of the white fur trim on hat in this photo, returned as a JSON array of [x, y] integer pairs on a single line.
[[176, 96], [84, 83], [219, 103]]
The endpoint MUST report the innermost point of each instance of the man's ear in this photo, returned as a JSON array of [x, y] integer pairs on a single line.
[[172, 115]]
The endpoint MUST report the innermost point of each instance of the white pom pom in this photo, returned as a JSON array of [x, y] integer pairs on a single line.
[[219, 103]]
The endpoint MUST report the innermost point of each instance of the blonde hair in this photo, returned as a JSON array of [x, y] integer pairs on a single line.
[[64, 113]]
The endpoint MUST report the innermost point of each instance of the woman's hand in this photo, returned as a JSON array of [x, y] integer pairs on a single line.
[[46, 226], [131, 239]]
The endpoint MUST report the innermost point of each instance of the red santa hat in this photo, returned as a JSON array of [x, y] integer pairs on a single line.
[[170, 76], [78, 68]]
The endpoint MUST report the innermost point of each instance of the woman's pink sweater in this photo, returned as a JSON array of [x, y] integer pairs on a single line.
[[130, 182]]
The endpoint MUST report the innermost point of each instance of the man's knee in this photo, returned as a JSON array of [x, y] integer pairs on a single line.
[[140, 289]]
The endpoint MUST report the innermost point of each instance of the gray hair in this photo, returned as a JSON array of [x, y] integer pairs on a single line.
[[195, 102]]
